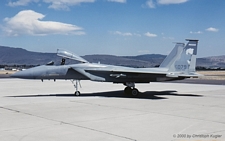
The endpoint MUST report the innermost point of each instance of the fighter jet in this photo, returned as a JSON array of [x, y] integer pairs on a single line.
[[178, 65]]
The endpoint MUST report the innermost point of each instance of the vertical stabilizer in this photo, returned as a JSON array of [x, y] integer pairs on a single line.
[[168, 61], [182, 58]]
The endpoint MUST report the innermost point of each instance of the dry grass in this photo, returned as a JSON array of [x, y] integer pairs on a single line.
[[6, 72], [212, 75]]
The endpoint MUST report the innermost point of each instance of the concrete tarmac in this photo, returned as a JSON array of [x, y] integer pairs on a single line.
[[31, 110]]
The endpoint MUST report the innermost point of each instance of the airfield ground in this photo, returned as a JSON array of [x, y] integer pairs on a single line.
[[31, 110]]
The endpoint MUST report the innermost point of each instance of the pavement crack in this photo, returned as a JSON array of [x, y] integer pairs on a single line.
[[216, 132], [92, 129], [67, 123], [152, 112]]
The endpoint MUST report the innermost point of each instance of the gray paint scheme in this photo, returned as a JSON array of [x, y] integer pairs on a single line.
[[179, 64]]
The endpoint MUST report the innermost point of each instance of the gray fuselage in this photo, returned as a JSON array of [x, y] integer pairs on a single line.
[[96, 72]]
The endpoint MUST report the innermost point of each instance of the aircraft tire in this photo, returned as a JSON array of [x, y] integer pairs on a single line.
[[77, 93], [127, 90], [134, 92]]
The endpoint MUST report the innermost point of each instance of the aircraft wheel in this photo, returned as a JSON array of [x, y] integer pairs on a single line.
[[134, 92], [77, 93], [127, 90]]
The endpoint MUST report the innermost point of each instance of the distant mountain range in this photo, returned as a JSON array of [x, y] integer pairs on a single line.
[[19, 56]]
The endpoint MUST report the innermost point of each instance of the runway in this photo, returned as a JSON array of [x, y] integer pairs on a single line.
[[31, 110]]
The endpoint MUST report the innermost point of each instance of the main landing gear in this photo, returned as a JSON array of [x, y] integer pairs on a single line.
[[77, 93], [130, 89]]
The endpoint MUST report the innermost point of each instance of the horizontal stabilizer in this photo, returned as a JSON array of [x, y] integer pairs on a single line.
[[176, 75]]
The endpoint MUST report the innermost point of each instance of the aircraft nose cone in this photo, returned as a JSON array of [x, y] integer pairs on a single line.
[[22, 74]]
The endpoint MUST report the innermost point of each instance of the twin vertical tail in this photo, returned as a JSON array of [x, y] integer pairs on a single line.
[[182, 58]]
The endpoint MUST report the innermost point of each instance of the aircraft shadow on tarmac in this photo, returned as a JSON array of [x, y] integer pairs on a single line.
[[154, 95]]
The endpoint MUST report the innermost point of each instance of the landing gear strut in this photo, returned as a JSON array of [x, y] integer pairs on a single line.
[[130, 89], [77, 92]]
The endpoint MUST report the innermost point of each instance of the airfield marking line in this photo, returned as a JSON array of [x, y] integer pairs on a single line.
[[67, 123]]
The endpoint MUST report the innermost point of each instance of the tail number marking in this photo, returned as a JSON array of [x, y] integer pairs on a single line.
[[181, 67]]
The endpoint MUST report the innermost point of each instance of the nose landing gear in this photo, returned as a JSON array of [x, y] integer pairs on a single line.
[[77, 92]]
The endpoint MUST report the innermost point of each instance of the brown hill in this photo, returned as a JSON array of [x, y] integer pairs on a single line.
[[19, 56]]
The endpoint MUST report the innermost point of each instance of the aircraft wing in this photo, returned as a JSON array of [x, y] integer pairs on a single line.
[[147, 71]]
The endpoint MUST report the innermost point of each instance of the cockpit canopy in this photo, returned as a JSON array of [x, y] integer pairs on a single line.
[[69, 55]]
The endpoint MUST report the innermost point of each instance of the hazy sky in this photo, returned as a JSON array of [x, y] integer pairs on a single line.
[[117, 27]]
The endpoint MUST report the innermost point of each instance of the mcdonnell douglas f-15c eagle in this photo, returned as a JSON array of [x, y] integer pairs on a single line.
[[178, 65]]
